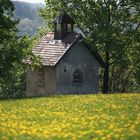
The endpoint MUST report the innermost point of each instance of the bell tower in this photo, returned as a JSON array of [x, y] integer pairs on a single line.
[[63, 25]]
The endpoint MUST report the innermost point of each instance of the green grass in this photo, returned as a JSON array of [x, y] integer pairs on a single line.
[[84, 117]]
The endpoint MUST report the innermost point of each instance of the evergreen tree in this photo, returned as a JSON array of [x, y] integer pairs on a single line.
[[13, 49]]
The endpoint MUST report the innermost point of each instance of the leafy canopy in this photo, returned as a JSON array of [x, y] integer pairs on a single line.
[[112, 28]]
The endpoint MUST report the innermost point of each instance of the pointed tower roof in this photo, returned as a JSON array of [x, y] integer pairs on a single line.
[[64, 18]]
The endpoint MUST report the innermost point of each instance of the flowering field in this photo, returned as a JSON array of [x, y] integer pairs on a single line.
[[84, 117]]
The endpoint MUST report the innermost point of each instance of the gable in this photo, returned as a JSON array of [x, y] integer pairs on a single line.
[[79, 60], [78, 53]]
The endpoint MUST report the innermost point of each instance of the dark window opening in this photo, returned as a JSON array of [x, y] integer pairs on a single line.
[[77, 77], [65, 70], [41, 77]]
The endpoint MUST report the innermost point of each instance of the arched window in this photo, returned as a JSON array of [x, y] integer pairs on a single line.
[[77, 77]]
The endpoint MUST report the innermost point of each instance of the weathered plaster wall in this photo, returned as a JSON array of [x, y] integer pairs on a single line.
[[78, 57], [50, 77], [32, 82]]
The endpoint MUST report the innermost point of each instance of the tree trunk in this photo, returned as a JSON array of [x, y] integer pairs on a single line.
[[106, 75]]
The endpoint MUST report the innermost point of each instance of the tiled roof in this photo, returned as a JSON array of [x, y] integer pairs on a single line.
[[51, 51]]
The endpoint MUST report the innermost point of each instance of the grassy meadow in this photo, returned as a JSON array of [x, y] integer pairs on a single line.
[[79, 117]]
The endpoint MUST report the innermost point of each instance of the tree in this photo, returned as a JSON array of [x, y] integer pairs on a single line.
[[112, 29], [9, 50], [13, 49]]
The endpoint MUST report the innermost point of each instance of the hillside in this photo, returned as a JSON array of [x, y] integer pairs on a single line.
[[29, 17]]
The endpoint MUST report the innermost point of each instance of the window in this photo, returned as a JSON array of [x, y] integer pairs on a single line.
[[58, 27], [77, 77], [64, 68], [41, 77], [69, 28]]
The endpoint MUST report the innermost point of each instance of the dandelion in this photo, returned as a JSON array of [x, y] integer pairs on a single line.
[[97, 117]]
